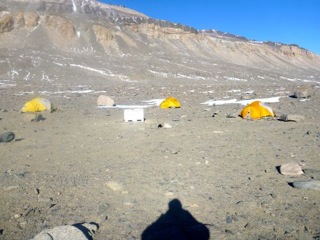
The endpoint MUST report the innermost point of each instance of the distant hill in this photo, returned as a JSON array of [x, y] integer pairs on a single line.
[[119, 43]]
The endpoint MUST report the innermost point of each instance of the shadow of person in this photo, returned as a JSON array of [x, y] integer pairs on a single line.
[[176, 224]]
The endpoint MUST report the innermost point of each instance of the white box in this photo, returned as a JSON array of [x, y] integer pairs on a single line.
[[134, 115]]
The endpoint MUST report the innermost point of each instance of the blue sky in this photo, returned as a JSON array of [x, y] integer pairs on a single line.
[[285, 21]]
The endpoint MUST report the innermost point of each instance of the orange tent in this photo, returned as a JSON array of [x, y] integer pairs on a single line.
[[256, 110]]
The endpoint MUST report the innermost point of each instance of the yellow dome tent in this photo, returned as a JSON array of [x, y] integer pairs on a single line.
[[256, 110], [37, 105], [170, 102]]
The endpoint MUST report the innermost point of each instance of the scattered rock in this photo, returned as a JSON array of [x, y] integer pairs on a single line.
[[165, 125], [291, 169], [312, 184], [84, 231], [301, 92], [291, 118], [105, 101], [114, 186], [247, 225], [7, 137], [246, 97], [231, 115]]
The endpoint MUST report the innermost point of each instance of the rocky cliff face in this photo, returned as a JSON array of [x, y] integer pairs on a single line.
[[85, 30]]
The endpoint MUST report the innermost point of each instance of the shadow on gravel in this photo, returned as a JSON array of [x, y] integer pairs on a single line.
[[176, 224], [86, 232]]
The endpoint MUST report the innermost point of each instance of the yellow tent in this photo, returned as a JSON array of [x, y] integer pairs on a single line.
[[170, 102], [256, 110], [37, 105]]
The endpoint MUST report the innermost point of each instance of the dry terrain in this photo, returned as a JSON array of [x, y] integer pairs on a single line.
[[84, 164], [211, 172]]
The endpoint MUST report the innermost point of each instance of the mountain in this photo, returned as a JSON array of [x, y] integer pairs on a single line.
[[56, 40]]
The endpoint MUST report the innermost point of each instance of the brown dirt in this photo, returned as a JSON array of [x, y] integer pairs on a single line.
[[83, 164]]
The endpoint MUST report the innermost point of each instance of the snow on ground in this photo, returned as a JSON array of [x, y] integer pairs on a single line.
[[125, 106], [235, 79], [242, 102], [6, 83], [150, 103]]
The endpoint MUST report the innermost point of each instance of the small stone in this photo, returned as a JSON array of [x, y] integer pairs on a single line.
[[273, 195], [7, 137], [167, 125], [168, 194], [248, 225], [83, 231], [246, 97], [231, 115], [301, 92], [114, 186], [291, 169], [291, 118], [310, 185], [228, 231], [23, 224], [105, 101]]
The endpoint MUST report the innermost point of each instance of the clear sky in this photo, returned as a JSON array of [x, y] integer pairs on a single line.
[[285, 21]]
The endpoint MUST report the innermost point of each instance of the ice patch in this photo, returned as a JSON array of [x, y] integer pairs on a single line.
[[154, 102], [162, 74], [235, 79], [289, 79], [24, 93], [64, 92], [110, 74], [219, 102], [234, 90], [249, 92], [6, 83], [74, 7], [87, 91], [151, 103], [125, 106], [242, 102], [208, 92], [265, 100]]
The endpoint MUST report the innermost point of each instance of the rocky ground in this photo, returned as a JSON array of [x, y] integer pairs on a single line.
[[84, 164], [210, 173]]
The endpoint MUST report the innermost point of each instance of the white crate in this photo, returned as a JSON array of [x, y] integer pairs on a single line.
[[134, 115]]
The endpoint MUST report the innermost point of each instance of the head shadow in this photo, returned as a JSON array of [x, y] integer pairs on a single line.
[[176, 224]]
